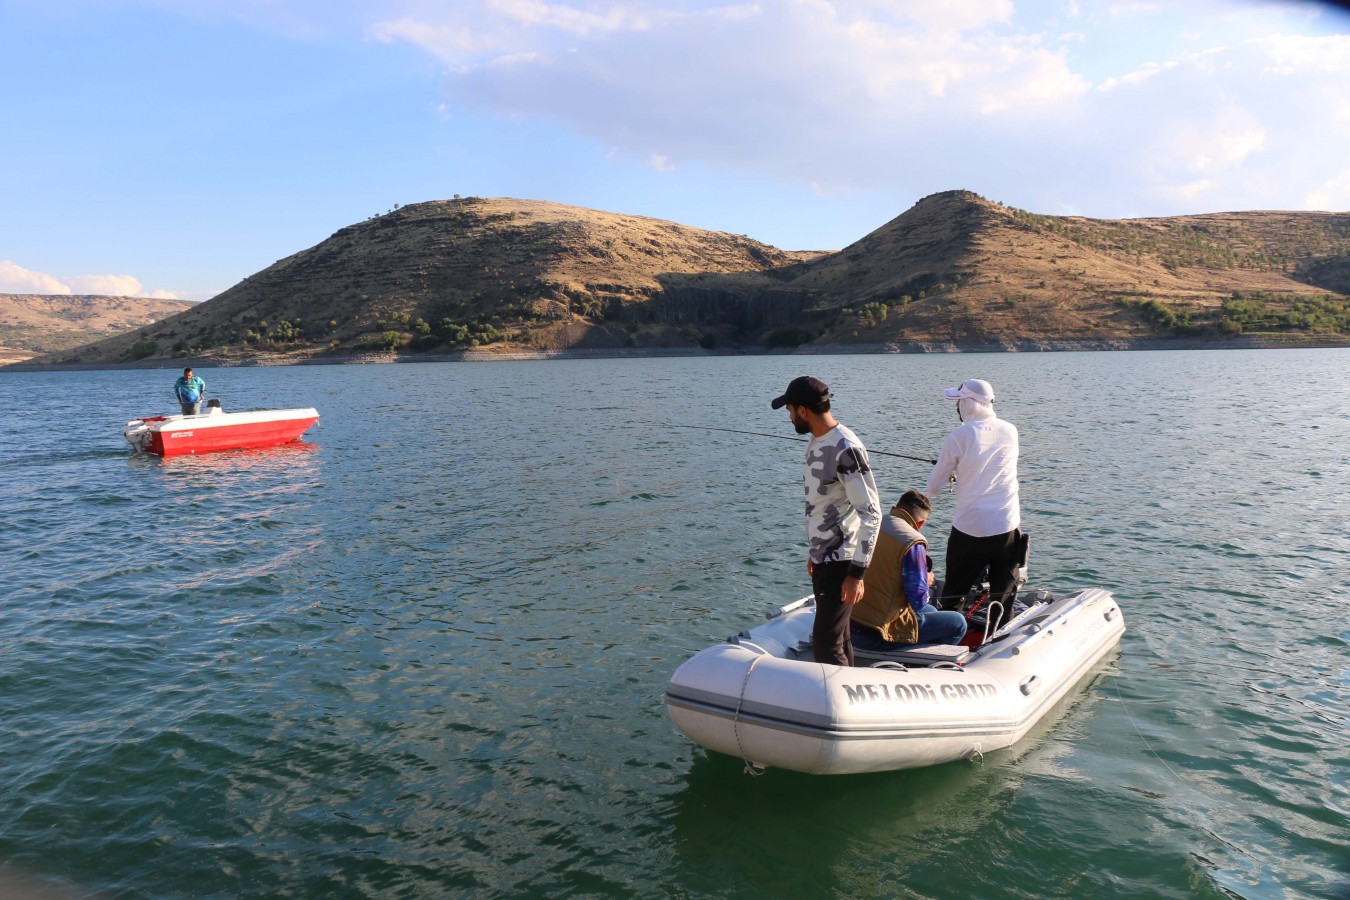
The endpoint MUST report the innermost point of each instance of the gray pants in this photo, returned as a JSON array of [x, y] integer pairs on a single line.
[[190, 409]]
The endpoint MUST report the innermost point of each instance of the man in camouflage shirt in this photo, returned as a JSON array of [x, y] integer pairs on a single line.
[[843, 514]]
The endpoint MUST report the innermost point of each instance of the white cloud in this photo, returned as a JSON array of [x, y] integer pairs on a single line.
[[1117, 10], [1332, 194], [535, 13], [910, 96], [786, 87], [106, 285], [1137, 107], [1295, 54], [951, 15], [447, 43], [1191, 191], [1210, 144], [1141, 74], [15, 279]]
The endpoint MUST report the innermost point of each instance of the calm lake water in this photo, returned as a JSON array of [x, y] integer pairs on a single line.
[[422, 654]]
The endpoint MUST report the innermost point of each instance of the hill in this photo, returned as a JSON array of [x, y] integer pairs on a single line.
[[33, 324], [955, 271]]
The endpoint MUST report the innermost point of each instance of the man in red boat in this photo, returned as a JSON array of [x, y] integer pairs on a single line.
[[895, 610], [981, 457], [189, 390], [842, 515]]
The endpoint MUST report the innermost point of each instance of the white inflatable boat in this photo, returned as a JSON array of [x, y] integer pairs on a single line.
[[761, 697]]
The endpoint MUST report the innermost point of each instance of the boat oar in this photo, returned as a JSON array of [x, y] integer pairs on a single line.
[[784, 437]]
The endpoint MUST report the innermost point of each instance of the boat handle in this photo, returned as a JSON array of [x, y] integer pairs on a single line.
[[784, 610], [1109, 614], [1030, 685], [743, 640]]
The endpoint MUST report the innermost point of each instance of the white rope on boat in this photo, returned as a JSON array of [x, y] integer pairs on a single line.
[[753, 769]]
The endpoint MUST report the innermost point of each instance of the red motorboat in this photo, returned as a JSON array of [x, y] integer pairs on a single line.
[[218, 430]]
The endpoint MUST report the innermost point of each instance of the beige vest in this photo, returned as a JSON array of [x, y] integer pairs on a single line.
[[884, 605]]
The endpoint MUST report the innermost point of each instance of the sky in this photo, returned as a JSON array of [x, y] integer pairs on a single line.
[[173, 147]]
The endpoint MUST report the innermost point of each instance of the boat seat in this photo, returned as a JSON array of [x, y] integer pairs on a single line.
[[917, 656]]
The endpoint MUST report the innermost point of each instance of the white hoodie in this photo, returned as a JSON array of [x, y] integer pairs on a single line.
[[982, 454]]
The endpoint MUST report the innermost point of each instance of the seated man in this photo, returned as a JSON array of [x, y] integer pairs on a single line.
[[894, 611]]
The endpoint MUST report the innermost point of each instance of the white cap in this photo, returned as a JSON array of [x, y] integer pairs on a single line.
[[971, 389]]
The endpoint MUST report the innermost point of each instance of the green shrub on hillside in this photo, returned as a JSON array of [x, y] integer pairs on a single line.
[[1159, 314], [1253, 312], [473, 334], [873, 313], [286, 331]]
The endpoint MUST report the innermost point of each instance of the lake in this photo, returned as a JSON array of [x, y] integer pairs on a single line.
[[422, 653]]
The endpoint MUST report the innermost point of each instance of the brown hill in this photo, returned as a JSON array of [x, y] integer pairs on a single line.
[[32, 324], [955, 271], [959, 271], [460, 273]]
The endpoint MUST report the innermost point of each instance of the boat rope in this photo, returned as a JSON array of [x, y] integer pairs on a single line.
[[784, 437], [753, 769]]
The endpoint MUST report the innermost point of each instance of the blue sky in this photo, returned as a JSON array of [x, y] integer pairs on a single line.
[[172, 147]]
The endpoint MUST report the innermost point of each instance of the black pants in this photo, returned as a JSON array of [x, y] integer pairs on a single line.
[[831, 641], [966, 559]]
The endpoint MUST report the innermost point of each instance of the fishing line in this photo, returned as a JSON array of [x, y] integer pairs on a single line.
[[784, 437], [1124, 706]]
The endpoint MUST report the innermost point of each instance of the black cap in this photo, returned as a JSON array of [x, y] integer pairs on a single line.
[[804, 391]]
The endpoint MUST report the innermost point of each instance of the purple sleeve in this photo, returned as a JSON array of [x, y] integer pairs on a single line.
[[914, 576]]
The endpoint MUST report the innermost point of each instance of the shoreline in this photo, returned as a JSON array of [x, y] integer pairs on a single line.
[[1255, 342]]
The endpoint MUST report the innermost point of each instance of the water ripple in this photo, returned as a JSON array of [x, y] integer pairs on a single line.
[[422, 654]]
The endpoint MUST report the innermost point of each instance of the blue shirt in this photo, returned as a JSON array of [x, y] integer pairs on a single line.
[[914, 576], [189, 390]]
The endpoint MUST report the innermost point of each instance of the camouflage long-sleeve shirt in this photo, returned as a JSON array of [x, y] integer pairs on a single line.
[[842, 509]]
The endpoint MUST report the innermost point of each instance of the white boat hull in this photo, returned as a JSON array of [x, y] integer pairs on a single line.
[[755, 698]]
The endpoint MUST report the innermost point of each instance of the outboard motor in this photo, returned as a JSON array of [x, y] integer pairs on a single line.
[[213, 408], [138, 435]]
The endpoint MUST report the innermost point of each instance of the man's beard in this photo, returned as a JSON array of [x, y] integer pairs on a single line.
[[802, 426]]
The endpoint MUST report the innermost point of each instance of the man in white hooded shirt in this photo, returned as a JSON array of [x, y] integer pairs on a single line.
[[982, 456]]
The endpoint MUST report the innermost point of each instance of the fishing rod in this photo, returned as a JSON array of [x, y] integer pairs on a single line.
[[783, 437]]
